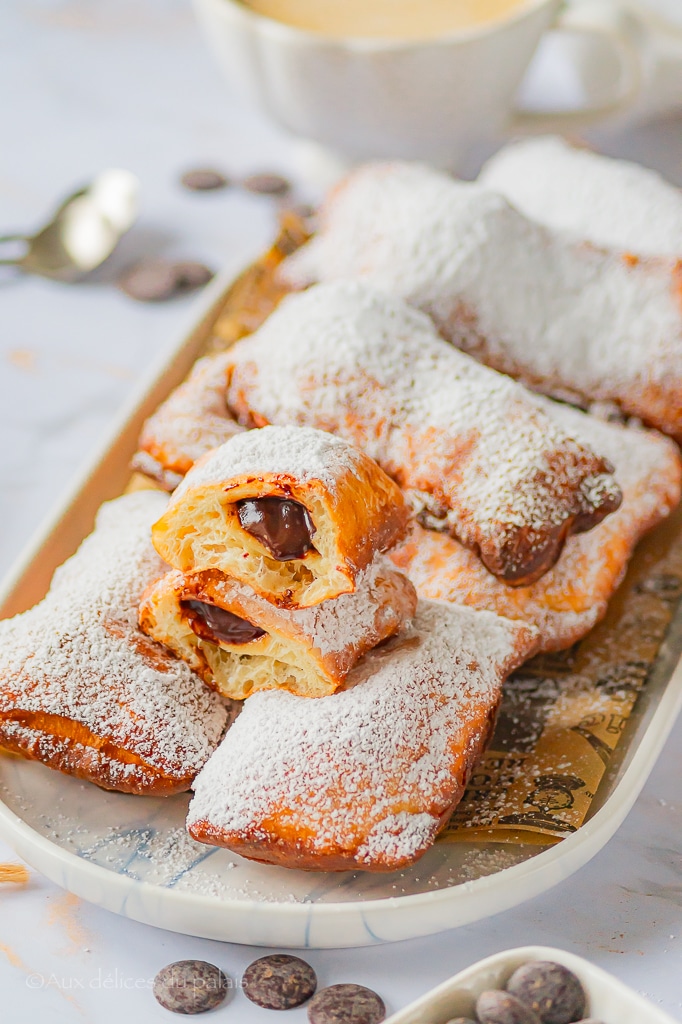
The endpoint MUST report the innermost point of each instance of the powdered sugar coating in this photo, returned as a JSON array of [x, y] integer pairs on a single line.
[[565, 317], [570, 598], [79, 655], [481, 452], [193, 419], [302, 453], [611, 203], [370, 771], [337, 625]]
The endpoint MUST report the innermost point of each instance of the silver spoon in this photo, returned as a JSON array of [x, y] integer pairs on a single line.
[[84, 230]]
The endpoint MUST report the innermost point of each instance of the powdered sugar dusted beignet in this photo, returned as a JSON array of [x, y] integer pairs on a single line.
[[366, 777], [83, 690], [192, 420], [564, 317], [294, 513], [614, 204], [567, 602], [240, 643], [480, 455]]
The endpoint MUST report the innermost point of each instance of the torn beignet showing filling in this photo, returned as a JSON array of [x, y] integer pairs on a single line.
[[480, 456], [239, 642], [83, 690], [294, 513]]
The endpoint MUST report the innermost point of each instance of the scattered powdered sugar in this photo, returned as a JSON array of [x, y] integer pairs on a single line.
[[561, 315], [369, 769], [611, 203], [303, 454], [80, 656], [573, 595], [355, 361], [381, 597]]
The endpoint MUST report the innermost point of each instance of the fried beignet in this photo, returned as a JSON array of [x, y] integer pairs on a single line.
[[480, 456], [83, 690], [294, 513], [192, 420], [567, 602], [564, 317], [366, 777], [614, 204], [240, 643]]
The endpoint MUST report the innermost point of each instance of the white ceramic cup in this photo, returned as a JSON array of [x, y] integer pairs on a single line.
[[429, 100]]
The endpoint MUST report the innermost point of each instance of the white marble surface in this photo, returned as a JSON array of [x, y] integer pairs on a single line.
[[95, 83]]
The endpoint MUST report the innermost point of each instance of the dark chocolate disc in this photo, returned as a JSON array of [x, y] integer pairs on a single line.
[[190, 986], [554, 992], [346, 1004], [279, 982], [204, 179], [267, 184]]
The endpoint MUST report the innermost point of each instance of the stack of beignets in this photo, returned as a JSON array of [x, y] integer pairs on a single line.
[[280, 581], [84, 691]]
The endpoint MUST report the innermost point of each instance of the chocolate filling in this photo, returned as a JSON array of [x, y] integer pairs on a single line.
[[212, 623], [282, 525]]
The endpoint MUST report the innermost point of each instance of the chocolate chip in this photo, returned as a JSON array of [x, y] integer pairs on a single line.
[[203, 179], [554, 992], [346, 1004], [495, 1007], [190, 986], [267, 184], [158, 280], [192, 275], [149, 281], [279, 982]]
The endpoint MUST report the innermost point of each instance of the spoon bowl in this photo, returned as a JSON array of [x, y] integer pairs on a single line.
[[84, 230]]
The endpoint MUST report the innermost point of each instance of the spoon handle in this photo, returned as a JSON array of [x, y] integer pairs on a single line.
[[15, 260]]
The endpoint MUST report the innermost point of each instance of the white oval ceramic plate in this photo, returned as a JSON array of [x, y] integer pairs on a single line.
[[609, 1000], [133, 857]]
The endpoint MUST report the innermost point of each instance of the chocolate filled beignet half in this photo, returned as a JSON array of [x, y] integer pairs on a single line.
[[366, 777], [567, 602], [611, 203], [564, 317], [240, 643], [295, 513], [192, 420], [83, 690], [480, 456]]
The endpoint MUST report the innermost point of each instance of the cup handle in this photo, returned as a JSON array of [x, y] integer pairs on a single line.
[[606, 19]]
